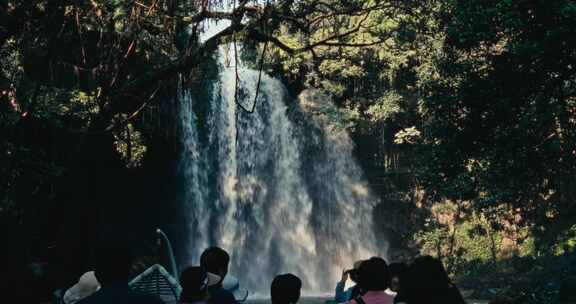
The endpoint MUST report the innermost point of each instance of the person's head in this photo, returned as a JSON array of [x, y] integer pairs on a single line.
[[354, 271], [428, 272], [374, 275], [215, 260], [112, 265], [194, 282], [397, 271], [285, 289], [427, 282]]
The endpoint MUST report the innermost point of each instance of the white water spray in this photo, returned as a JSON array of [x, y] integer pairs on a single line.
[[277, 189]]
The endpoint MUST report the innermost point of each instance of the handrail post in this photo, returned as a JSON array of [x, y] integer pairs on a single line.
[[165, 239]]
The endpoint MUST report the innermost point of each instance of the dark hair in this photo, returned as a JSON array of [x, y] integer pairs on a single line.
[[194, 282], [373, 275], [215, 260], [354, 271], [353, 275], [427, 282], [430, 272], [397, 269], [285, 289], [112, 264], [397, 275]]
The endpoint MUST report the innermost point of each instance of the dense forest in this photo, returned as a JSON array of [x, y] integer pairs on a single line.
[[463, 113]]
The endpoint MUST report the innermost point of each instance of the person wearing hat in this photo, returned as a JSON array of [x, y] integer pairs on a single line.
[[195, 283], [352, 292], [374, 279]]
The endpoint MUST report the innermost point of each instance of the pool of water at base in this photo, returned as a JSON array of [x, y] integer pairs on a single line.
[[322, 300]]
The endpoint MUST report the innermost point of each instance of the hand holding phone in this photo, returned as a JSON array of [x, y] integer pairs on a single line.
[[345, 274]]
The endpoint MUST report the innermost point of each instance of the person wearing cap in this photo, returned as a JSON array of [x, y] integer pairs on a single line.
[[285, 289], [352, 292], [374, 279], [215, 260], [195, 283]]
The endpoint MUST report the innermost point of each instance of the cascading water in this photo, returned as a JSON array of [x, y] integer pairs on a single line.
[[278, 188]]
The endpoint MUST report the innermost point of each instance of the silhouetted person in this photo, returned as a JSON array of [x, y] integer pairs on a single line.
[[427, 282], [194, 282], [397, 271], [112, 268], [342, 295], [215, 260], [285, 289], [374, 279]]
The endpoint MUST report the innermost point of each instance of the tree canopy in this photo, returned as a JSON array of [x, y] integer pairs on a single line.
[[476, 96]]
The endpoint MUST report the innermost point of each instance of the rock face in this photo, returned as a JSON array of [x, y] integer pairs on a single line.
[[312, 100]]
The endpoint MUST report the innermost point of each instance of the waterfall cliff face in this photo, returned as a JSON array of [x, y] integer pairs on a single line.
[[277, 188]]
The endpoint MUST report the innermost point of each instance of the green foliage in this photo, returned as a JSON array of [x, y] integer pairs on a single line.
[[483, 95], [501, 108], [386, 107], [471, 238], [480, 93], [372, 72], [130, 145], [407, 136]]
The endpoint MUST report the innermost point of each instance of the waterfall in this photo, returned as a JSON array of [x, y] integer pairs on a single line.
[[278, 189]]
